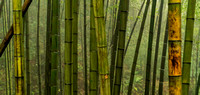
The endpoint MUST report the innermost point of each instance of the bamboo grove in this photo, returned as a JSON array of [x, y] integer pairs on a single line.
[[99, 47]]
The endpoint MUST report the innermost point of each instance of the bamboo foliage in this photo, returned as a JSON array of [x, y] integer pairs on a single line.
[[68, 49], [101, 47], [121, 28], [188, 46], [174, 61], [17, 27]]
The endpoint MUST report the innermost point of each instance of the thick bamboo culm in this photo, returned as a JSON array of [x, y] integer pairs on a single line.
[[18, 46], [11, 31], [54, 48], [68, 49], [98, 6], [174, 39], [187, 54], [121, 30], [93, 84]]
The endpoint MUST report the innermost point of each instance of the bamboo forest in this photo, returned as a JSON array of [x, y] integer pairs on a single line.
[[99, 47]]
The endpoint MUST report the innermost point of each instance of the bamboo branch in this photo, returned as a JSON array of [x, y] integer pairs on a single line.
[[10, 33]]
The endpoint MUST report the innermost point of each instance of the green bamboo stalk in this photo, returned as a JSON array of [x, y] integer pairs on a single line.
[[157, 46], [197, 58], [1, 6], [38, 48], [188, 46], [137, 48], [93, 86], [18, 44], [26, 28], [68, 48], [101, 47], [197, 86], [6, 53], [47, 64], [10, 50], [75, 45], [24, 65], [106, 10], [149, 51], [121, 28], [85, 49], [134, 25], [54, 49], [60, 61], [162, 67], [114, 40], [11, 32], [197, 65], [174, 60]]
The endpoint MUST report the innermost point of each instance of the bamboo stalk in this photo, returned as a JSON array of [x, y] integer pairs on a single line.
[[47, 64], [11, 32], [75, 45], [174, 61], [149, 50], [68, 49], [38, 48], [188, 46], [121, 28], [26, 28], [137, 48], [54, 48], [85, 49], [157, 46], [18, 46], [93, 86], [101, 47]]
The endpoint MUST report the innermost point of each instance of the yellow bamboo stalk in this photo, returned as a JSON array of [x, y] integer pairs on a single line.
[[18, 47], [174, 26]]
